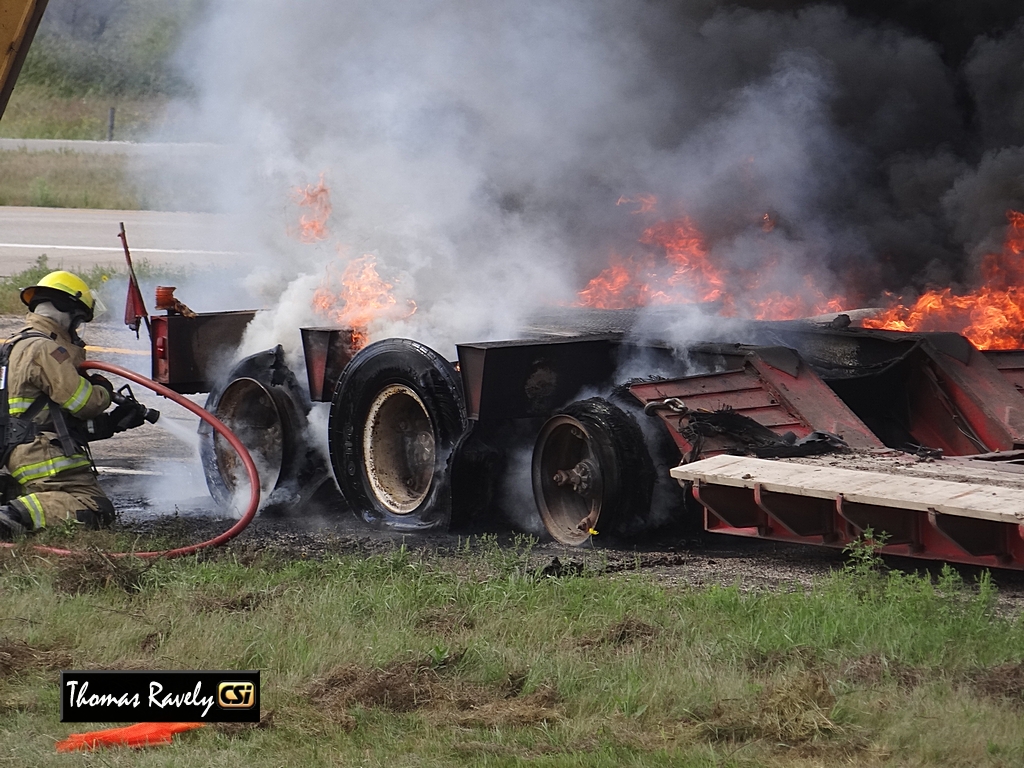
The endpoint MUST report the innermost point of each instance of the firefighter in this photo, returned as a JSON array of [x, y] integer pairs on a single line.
[[60, 411]]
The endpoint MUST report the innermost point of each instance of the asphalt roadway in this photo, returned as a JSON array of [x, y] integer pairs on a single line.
[[80, 238]]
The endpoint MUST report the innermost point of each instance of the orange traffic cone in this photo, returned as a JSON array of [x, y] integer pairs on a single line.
[[138, 735]]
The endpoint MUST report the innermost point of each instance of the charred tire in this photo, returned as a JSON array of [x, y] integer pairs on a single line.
[[397, 417], [668, 513], [262, 402], [591, 472]]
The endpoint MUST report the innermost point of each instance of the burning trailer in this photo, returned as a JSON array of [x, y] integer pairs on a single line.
[[805, 431], [597, 420], [790, 425]]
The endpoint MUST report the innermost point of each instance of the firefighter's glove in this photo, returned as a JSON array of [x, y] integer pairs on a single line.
[[127, 415], [101, 381], [99, 428]]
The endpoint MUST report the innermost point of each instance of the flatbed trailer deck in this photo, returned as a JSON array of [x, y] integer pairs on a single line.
[[957, 509]]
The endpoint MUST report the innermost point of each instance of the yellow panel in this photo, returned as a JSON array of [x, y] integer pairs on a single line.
[[18, 22]]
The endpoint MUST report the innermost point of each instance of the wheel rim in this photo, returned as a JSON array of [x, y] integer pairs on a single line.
[[250, 410], [568, 481], [399, 447]]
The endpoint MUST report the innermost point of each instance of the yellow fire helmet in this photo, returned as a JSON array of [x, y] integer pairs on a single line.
[[68, 292]]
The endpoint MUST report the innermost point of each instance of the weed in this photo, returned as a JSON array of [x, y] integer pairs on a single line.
[[234, 602], [628, 631], [862, 554], [439, 656], [797, 709], [17, 657], [446, 620], [507, 560], [1005, 681], [399, 687], [64, 529], [237, 730], [42, 195]]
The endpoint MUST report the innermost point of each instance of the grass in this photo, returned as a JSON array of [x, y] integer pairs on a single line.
[[471, 658], [94, 276], [66, 180], [38, 112], [10, 287]]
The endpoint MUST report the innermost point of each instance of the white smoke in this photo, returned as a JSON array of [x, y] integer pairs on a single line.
[[477, 150]]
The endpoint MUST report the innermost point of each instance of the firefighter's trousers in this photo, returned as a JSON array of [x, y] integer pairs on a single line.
[[70, 494]]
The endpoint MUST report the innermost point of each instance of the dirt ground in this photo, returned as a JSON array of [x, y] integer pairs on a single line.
[[155, 480]]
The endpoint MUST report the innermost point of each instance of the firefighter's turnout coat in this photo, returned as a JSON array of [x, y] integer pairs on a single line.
[[53, 484]]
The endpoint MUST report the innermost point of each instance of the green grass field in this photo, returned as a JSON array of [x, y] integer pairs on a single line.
[[473, 658], [37, 112], [66, 180], [76, 180], [70, 179]]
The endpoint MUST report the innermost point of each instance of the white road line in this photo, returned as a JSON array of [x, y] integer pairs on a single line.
[[126, 471], [120, 249]]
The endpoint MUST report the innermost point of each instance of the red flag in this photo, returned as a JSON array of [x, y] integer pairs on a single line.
[[134, 306]]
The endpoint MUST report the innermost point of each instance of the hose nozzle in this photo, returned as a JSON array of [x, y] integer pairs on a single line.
[[125, 395]]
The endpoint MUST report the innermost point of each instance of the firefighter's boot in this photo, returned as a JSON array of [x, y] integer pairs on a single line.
[[12, 524], [101, 517]]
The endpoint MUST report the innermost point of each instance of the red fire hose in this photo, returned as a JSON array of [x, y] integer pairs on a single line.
[[218, 425]]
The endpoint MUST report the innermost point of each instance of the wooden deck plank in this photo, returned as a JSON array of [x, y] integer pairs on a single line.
[[964, 499]]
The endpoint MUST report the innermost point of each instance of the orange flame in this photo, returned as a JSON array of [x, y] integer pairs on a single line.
[[689, 275], [685, 252], [779, 306], [615, 288], [357, 297], [991, 316], [316, 197]]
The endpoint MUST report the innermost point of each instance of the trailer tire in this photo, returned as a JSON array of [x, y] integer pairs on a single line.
[[262, 402], [591, 471], [397, 418], [668, 511]]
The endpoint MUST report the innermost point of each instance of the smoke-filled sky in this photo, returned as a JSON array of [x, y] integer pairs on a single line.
[[478, 149]]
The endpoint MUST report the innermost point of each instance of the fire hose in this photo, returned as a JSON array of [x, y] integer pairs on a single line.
[[219, 427]]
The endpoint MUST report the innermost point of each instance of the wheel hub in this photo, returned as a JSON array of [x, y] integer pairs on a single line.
[[580, 478], [568, 480], [399, 449]]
